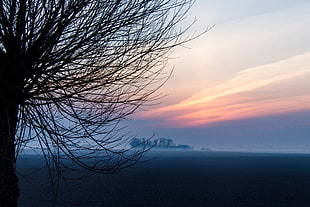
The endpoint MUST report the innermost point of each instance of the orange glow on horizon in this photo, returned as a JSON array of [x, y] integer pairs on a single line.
[[260, 91]]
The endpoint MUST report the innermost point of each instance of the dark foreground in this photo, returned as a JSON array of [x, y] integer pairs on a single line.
[[206, 179]]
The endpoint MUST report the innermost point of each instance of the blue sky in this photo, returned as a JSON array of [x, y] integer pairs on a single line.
[[242, 86]]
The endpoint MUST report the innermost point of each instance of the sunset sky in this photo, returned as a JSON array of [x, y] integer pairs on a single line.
[[244, 85]]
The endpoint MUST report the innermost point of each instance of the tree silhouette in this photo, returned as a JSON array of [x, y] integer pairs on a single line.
[[71, 70]]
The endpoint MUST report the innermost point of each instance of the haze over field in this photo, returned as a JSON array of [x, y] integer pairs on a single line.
[[242, 86]]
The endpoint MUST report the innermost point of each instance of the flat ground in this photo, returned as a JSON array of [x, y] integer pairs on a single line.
[[181, 179]]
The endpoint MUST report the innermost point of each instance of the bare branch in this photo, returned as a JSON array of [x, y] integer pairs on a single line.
[[76, 69]]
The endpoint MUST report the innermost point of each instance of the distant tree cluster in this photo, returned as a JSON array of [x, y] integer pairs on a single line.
[[161, 143]]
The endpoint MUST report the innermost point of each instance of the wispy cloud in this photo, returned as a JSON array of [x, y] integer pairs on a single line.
[[254, 78], [249, 93]]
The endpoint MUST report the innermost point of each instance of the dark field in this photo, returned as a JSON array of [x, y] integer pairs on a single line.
[[183, 179]]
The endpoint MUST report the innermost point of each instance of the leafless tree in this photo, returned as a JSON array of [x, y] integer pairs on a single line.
[[71, 70]]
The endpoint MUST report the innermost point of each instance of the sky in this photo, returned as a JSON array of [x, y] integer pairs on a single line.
[[244, 85]]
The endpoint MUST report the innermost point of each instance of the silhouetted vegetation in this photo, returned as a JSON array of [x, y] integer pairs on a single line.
[[161, 143], [71, 71]]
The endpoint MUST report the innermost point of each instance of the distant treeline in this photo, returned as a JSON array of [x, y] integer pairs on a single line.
[[161, 143]]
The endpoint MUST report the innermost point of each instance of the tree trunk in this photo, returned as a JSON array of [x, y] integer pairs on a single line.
[[9, 191]]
